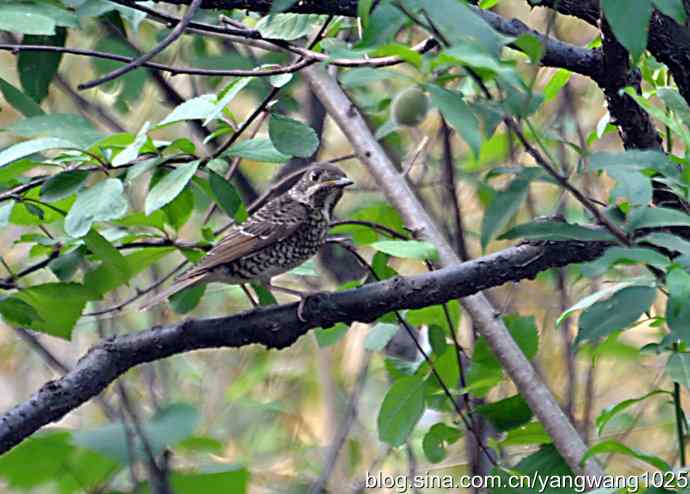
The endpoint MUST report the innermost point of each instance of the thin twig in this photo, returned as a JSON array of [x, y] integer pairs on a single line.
[[167, 41], [411, 333], [343, 430], [175, 70]]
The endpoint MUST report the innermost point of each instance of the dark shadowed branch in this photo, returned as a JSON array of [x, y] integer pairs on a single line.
[[279, 327]]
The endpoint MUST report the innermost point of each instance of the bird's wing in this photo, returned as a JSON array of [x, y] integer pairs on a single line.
[[272, 223]]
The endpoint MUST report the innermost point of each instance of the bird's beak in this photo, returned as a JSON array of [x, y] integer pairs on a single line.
[[342, 182]]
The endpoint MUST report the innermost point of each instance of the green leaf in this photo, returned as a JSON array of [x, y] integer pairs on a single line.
[[678, 368], [19, 101], [468, 55], [610, 412], [614, 447], [31, 213], [292, 137], [531, 46], [101, 202], [169, 186], [677, 307], [629, 22], [131, 152], [38, 68], [258, 149], [587, 301], [559, 79], [279, 80], [437, 340], [437, 439], [229, 479], [330, 336], [227, 94], [434, 315], [186, 300], [142, 167], [532, 433], [363, 9], [672, 8], [63, 184], [364, 76], [524, 332], [633, 186], [106, 252], [411, 249], [58, 305], [619, 311], [401, 409], [633, 160], [142, 259], [20, 19], [625, 255], [383, 23], [104, 279], [17, 311], [180, 209], [227, 197], [556, 230], [447, 368], [667, 241], [652, 217], [675, 102], [379, 336], [543, 465], [460, 25], [193, 109], [47, 457], [66, 266], [503, 208], [68, 126], [27, 148], [286, 26], [458, 114], [167, 428], [507, 414]]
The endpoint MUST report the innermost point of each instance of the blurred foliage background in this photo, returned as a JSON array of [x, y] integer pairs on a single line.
[[252, 420]]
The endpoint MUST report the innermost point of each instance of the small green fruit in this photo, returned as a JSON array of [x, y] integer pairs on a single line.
[[410, 107]]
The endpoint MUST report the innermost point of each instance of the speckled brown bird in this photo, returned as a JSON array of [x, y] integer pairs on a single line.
[[277, 238]]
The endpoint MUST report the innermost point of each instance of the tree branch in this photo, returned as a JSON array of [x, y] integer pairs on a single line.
[[397, 190], [333, 7], [279, 327], [668, 41]]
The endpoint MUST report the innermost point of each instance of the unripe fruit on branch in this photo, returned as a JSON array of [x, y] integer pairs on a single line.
[[410, 107]]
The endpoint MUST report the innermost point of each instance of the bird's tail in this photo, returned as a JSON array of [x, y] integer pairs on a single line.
[[173, 289]]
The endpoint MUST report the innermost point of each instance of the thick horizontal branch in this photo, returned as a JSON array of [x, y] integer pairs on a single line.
[[557, 53], [668, 41], [279, 327]]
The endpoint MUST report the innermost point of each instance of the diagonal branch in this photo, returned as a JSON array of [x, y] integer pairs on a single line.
[[167, 41], [279, 327], [399, 193]]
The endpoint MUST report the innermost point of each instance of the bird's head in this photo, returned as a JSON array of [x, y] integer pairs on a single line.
[[321, 187]]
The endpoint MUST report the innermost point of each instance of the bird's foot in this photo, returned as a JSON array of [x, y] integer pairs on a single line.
[[302, 296], [300, 310]]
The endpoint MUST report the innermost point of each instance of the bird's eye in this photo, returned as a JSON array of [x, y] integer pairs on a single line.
[[314, 176]]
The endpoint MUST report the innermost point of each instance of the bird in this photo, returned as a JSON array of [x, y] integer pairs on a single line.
[[278, 237]]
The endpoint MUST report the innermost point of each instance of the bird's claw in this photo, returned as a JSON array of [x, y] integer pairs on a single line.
[[300, 310]]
